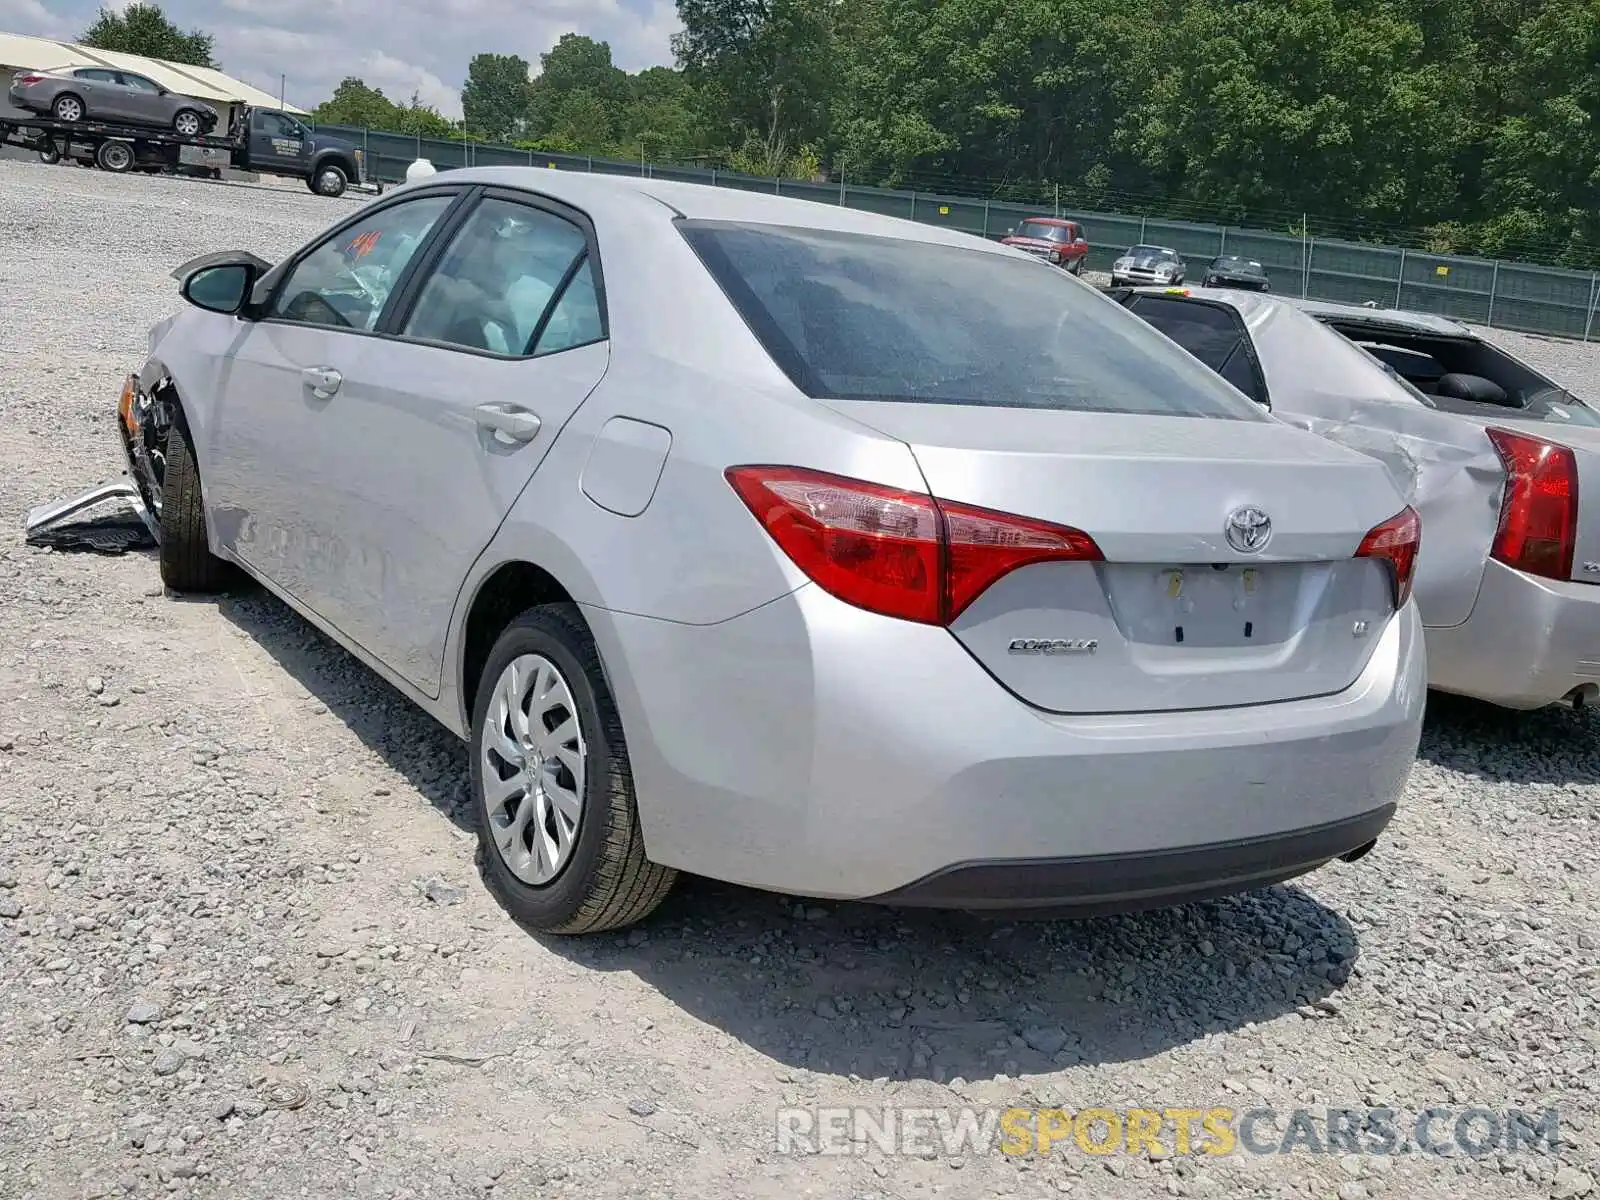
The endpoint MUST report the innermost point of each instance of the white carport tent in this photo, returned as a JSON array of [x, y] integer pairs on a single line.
[[18, 52]]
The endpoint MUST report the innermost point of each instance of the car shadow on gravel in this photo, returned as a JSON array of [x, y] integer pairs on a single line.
[[1550, 745], [877, 992], [851, 989], [410, 742]]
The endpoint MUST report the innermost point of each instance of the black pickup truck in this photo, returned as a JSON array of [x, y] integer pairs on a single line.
[[263, 140]]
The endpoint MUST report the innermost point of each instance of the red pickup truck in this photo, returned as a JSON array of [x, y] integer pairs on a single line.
[[1052, 238]]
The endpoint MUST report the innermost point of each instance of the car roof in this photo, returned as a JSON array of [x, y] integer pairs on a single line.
[[636, 198], [1050, 220], [1379, 319], [1376, 319]]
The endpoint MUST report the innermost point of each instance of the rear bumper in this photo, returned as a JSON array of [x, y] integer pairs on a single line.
[[1084, 887], [1529, 642], [811, 748]]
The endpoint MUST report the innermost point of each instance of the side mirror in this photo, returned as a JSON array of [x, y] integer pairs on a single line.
[[219, 289], [220, 283]]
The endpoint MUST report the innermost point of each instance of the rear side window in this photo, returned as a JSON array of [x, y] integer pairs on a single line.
[[1213, 333], [854, 317]]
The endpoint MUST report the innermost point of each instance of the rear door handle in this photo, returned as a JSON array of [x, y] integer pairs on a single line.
[[324, 381], [507, 420]]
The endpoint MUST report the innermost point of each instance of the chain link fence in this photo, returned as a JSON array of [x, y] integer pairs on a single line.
[[1506, 295]]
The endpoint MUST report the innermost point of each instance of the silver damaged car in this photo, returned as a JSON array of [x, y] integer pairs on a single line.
[[1502, 463], [794, 546]]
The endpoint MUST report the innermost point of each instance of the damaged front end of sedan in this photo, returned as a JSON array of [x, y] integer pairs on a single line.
[[124, 514]]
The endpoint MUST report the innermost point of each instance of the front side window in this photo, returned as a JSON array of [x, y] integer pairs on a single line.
[[500, 275], [139, 83], [279, 126], [855, 317], [346, 281]]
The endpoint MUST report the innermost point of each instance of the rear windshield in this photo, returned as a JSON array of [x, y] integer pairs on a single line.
[[853, 317]]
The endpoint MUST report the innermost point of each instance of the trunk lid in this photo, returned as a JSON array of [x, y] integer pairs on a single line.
[[1176, 617]]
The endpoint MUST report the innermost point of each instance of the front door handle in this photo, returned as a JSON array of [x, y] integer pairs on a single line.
[[513, 423], [323, 381]]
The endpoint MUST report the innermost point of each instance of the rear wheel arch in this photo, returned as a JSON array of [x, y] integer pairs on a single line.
[[503, 595]]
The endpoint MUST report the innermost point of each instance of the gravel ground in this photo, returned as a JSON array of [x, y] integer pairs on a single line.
[[244, 953]]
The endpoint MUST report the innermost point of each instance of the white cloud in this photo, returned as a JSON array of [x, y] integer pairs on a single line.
[[34, 19], [401, 46]]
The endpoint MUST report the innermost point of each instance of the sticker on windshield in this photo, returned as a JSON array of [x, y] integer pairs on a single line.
[[363, 243]]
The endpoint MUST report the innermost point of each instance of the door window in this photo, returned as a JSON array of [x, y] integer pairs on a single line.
[[278, 126], [508, 266], [346, 281], [94, 75], [1213, 333], [138, 83]]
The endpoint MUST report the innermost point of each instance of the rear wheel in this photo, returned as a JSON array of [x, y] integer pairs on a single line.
[[51, 153], [68, 108], [552, 790], [187, 564], [186, 122], [116, 157]]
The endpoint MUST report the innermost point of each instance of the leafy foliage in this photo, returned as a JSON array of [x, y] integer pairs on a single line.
[[145, 29], [354, 103], [1475, 124]]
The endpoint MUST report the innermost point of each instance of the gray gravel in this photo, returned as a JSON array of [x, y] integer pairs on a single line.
[[243, 951]]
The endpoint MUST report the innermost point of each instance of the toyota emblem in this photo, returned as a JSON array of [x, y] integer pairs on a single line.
[[1248, 530]]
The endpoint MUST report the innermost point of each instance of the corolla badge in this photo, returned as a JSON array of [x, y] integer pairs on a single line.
[[1248, 530], [1053, 646]]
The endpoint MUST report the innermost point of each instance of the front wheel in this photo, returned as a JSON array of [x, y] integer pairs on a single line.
[[186, 123], [552, 790], [328, 180], [1077, 266], [187, 564]]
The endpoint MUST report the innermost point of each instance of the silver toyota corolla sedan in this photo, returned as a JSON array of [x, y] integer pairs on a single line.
[[795, 546], [1502, 463]]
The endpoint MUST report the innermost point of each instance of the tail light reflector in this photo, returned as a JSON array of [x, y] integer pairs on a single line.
[[902, 554], [25, 79], [1539, 510], [1396, 542]]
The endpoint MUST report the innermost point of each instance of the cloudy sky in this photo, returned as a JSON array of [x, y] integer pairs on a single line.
[[401, 46]]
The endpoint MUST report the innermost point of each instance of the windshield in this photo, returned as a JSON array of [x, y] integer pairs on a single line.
[[1148, 252], [1048, 233], [853, 317], [1230, 263]]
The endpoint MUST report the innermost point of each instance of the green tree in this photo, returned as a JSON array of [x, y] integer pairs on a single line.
[[145, 29], [355, 104], [495, 97], [771, 68]]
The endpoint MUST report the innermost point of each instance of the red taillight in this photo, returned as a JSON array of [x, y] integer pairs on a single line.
[[902, 554], [1539, 511], [1396, 541], [21, 79]]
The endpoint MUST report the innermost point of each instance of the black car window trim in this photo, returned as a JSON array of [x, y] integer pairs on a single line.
[[262, 309], [1133, 301], [421, 267]]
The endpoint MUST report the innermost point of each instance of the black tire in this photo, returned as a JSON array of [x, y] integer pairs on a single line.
[[1077, 266], [328, 179], [195, 122], [116, 157], [607, 882], [187, 564], [51, 153], [64, 105]]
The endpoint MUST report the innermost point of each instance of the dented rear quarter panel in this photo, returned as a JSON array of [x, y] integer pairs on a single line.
[[1445, 465]]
